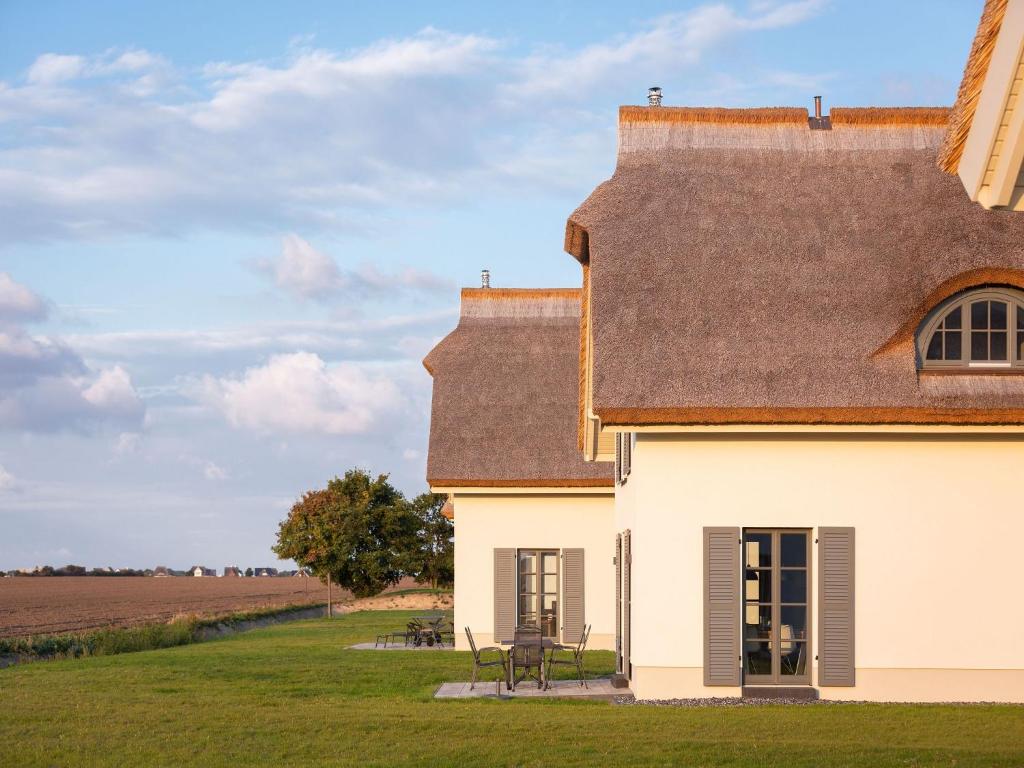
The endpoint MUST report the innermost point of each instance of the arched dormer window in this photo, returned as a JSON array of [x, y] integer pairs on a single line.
[[981, 329]]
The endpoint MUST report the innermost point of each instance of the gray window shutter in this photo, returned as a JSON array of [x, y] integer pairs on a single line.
[[618, 602], [573, 617], [618, 458], [627, 593], [504, 595], [721, 606], [835, 607]]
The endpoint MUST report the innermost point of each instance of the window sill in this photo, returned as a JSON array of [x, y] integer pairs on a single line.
[[976, 371]]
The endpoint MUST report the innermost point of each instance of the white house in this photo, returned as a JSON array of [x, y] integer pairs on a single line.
[[802, 342]]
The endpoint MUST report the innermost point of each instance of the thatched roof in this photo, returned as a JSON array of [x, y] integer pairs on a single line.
[[505, 394], [970, 86], [768, 273]]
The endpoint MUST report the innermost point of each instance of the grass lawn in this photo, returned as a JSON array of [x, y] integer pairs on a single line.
[[292, 695]]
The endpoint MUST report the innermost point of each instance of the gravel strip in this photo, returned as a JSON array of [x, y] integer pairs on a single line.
[[735, 701]]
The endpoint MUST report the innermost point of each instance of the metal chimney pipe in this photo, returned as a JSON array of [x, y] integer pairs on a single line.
[[817, 107], [654, 96], [485, 278]]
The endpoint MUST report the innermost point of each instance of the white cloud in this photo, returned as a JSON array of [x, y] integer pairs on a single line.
[[55, 68], [112, 391], [672, 41], [325, 141], [18, 302], [212, 471], [300, 393], [378, 337], [7, 480], [45, 385], [307, 273], [127, 443]]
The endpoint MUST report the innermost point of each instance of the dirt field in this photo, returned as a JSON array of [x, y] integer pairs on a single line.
[[32, 606]]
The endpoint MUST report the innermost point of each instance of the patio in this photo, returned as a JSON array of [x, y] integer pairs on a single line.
[[400, 647], [599, 689]]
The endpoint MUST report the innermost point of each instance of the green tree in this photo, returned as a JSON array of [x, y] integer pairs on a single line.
[[357, 532], [433, 558]]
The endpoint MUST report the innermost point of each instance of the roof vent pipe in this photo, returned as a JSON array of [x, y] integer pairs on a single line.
[[485, 278], [654, 96], [817, 107]]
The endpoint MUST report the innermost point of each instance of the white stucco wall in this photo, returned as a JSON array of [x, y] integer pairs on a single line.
[[939, 552], [532, 521]]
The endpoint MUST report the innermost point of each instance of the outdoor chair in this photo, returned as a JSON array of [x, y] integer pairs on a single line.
[[479, 664], [527, 655], [445, 633], [576, 660], [407, 634]]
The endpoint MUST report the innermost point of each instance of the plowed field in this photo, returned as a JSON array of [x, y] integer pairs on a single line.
[[45, 605]]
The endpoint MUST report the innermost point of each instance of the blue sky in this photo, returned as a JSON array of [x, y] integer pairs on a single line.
[[230, 231]]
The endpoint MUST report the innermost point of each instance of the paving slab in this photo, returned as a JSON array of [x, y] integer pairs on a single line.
[[399, 647], [599, 689]]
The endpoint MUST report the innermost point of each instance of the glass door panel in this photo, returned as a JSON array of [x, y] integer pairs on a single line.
[[776, 594], [538, 590]]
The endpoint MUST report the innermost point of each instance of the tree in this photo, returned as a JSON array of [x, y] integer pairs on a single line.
[[248, 572], [433, 560], [356, 532]]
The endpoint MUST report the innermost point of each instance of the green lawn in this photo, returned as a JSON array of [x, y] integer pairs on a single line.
[[293, 695]]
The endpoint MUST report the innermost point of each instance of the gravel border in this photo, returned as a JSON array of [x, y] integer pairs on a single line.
[[735, 701]]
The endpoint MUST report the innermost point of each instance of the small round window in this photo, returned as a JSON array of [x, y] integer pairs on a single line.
[[981, 329]]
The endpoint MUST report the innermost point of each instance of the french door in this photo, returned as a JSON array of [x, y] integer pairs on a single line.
[[776, 606], [538, 590]]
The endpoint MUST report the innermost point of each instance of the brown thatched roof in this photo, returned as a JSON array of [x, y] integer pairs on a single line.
[[970, 87], [768, 274], [505, 394]]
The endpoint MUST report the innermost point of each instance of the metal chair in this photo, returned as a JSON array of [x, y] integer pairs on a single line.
[[445, 631], [409, 633], [527, 654], [576, 660], [479, 664]]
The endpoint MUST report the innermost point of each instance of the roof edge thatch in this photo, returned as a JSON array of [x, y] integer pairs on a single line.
[[704, 416], [582, 482], [889, 116], [505, 305], [715, 115], [509, 294], [970, 86]]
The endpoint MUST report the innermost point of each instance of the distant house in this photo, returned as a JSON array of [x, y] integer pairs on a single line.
[[232, 570], [161, 571], [266, 572], [199, 570]]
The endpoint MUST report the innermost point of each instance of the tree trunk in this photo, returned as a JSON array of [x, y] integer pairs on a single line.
[[330, 602]]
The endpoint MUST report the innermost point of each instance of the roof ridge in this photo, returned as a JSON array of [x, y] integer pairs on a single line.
[[890, 116], [795, 116], [505, 304], [715, 115], [496, 294]]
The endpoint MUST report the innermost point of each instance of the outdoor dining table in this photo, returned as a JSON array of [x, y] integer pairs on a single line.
[[546, 644]]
